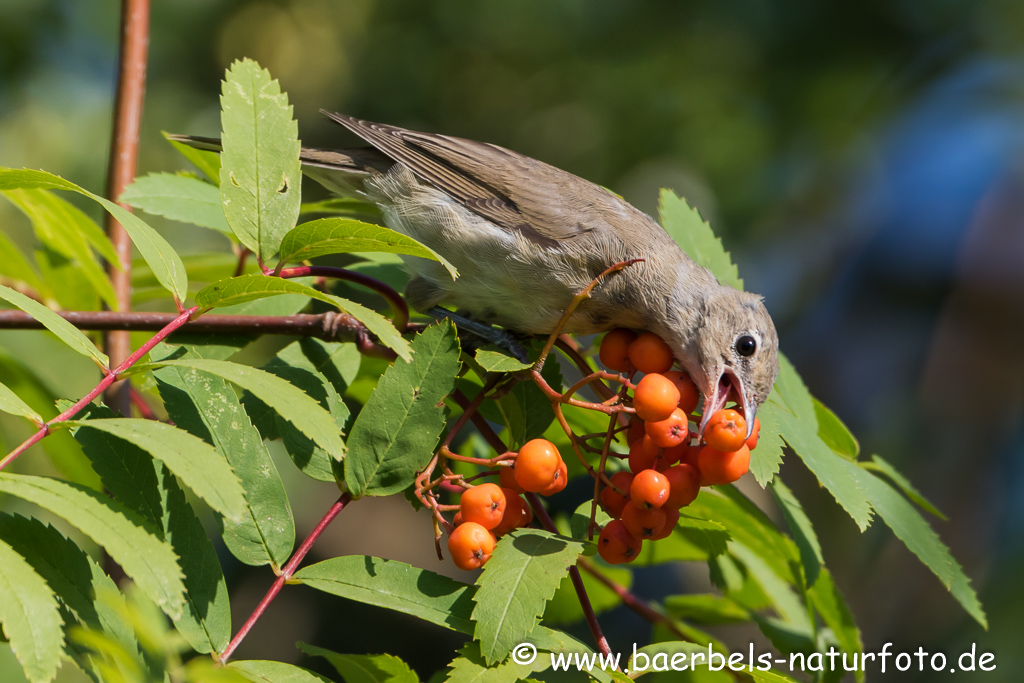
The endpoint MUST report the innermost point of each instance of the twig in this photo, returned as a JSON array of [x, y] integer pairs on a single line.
[[400, 310], [286, 574]]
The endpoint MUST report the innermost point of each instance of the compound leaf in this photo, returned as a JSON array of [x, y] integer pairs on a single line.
[[65, 331], [365, 668], [180, 198], [31, 617], [691, 232]]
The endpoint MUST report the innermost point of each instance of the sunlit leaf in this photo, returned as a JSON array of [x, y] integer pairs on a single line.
[[180, 198], [30, 617], [691, 232], [65, 331]]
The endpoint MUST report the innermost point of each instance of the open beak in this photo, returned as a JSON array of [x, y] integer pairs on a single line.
[[729, 386]]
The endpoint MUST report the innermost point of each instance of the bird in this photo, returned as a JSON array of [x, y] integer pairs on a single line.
[[526, 236]]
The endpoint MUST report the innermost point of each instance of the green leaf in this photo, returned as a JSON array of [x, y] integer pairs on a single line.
[[16, 267], [778, 587], [260, 175], [495, 360], [68, 333], [180, 198], [206, 406], [66, 230], [564, 606], [802, 531], [345, 236], [909, 490], [130, 541], [692, 540], [691, 232], [830, 604], [264, 671], [291, 403], [394, 436], [472, 667], [834, 433], [193, 460], [205, 160], [766, 459], [394, 585], [706, 608], [30, 616], [160, 256], [516, 583], [10, 403], [771, 676], [247, 288], [659, 655], [921, 540], [343, 206], [365, 668]]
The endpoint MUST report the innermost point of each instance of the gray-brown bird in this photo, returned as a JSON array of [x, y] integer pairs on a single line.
[[526, 236]]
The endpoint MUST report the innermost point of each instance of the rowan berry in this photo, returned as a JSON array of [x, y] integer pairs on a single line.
[[612, 501], [616, 545], [718, 467], [648, 353], [470, 546], [649, 489], [726, 431], [515, 513], [684, 485], [671, 519], [614, 352], [483, 504], [671, 431], [643, 524], [689, 395], [559, 482], [655, 398], [537, 465], [754, 434], [637, 429], [507, 479], [644, 454]]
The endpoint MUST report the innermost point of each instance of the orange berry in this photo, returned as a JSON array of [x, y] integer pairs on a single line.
[[644, 454], [483, 504], [515, 513], [726, 431], [754, 434], [643, 524], [559, 482], [676, 454], [689, 395], [470, 546], [614, 353], [612, 501], [537, 465], [684, 485], [457, 520], [616, 545], [672, 431], [649, 490], [655, 397], [648, 353], [717, 467], [507, 479], [671, 519], [636, 429]]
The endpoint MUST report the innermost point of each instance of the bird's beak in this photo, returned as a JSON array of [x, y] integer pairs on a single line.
[[728, 384]]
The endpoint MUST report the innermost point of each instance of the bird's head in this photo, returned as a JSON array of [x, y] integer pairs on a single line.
[[733, 353]]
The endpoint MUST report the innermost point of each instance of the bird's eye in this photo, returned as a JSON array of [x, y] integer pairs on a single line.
[[746, 345]]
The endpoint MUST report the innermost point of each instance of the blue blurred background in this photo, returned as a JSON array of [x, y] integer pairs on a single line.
[[862, 161]]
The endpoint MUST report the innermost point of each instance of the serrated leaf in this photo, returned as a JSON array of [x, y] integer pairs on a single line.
[[834, 433], [921, 540], [291, 403], [499, 361], [30, 616], [564, 606], [265, 671], [830, 604], [205, 160], [238, 290], [10, 403], [693, 540], [65, 331], [364, 668], [206, 406], [344, 236], [766, 459], [130, 541], [180, 198], [65, 229], [706, 608], [260, 175], [778, 587], [909, 490], [471, 667], [160, 256], [193, 460], [516, 583], [394, 585], [684, 224], [394, 436], [802, 531], [526, 411]]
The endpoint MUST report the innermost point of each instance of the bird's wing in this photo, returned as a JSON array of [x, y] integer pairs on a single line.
[[544, 203]]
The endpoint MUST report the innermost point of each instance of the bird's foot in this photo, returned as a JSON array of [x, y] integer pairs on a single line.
[[487, 334]]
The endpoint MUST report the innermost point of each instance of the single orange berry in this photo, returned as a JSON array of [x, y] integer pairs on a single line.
[[616, 545], [636, 429], [612, 501], [515, 513], [648, 353], [689, 395], [754, 434], [672, 431], [614, 353], [559, 482], [470, 546], [671, 519], [644, 454], [655, 398], [507, 479], [457, 520], [684, 485], [537, 465], [718, 467], [726, 431], [649, 490], [643, 524], [483, 504], [677, 454]]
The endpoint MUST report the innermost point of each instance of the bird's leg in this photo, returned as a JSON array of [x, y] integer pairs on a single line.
[[486, 333]]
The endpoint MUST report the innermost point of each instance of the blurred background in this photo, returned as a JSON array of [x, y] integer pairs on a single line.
[[864, 162]]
